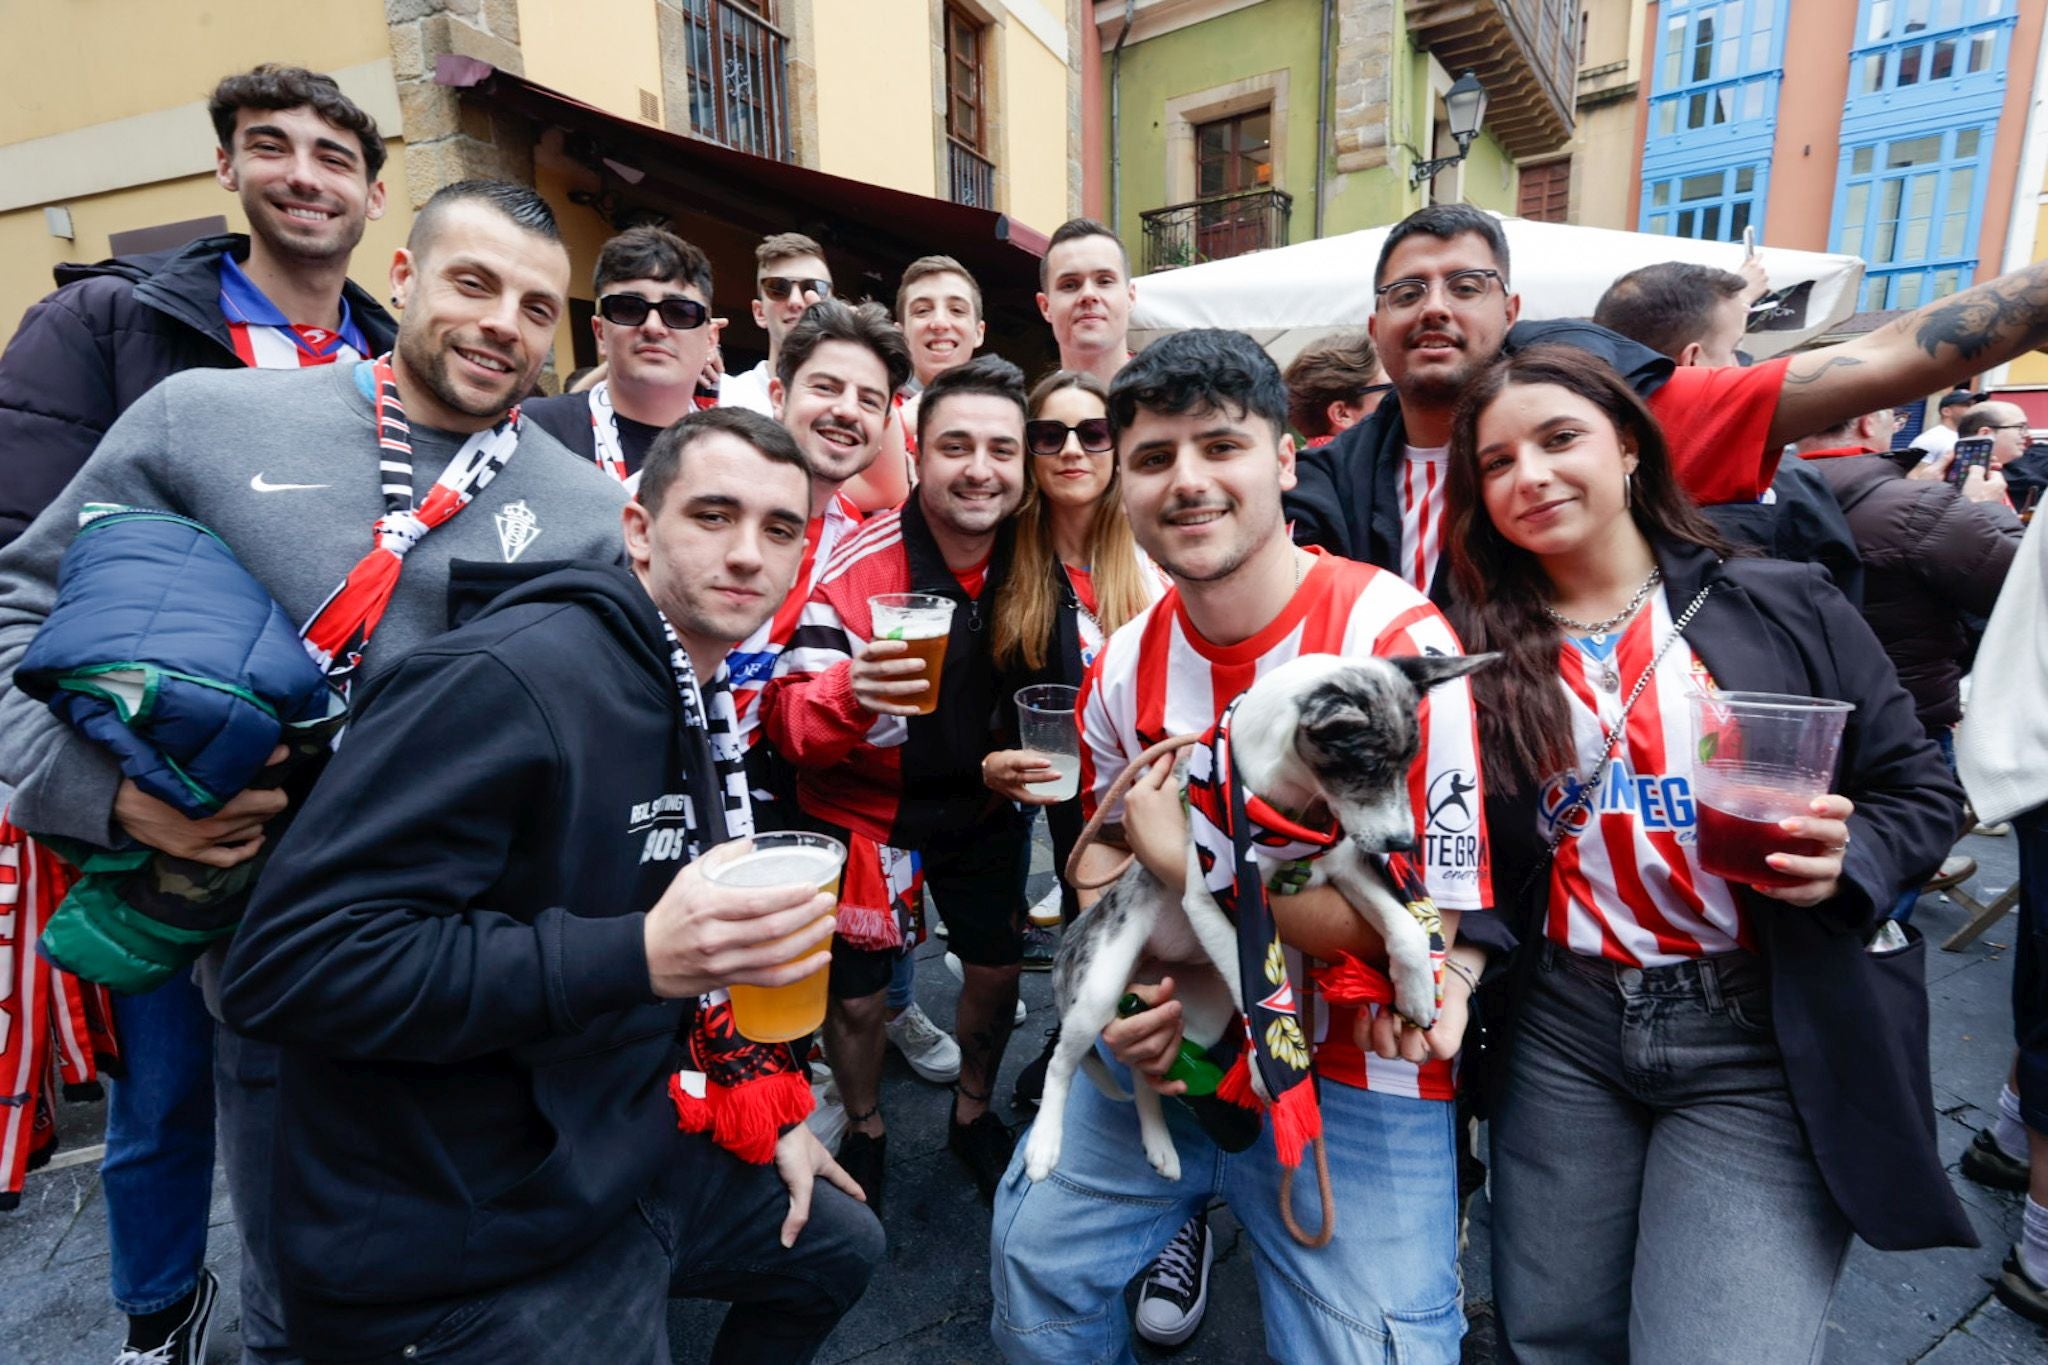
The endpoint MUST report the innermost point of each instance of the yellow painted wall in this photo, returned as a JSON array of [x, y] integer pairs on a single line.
[[603, 52], [585, 234], [875, 61], [67, 64], [28, 252], [1602, 151], [1034, 92]]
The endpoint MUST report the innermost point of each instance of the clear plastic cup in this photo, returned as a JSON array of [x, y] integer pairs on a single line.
[[1762, 757], [776, 1014], [924, 622], [1045, 724]]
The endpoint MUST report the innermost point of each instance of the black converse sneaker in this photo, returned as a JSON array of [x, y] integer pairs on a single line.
[[186, 1345], [1176, 1289]]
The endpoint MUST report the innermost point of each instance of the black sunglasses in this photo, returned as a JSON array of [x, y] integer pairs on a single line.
[[1048, 438], [778, 287], [630, 310]]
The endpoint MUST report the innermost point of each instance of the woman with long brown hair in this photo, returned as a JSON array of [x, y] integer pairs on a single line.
[[1076, 574], [1700, 1086]]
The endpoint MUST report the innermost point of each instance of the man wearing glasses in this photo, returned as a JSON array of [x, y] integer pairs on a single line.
[[790, 275], [654, 331], [2006, 425], [1445, 311]]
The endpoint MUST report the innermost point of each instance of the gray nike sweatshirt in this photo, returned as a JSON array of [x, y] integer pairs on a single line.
[[282, 465]]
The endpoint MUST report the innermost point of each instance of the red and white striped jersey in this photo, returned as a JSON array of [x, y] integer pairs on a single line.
[[265, 339], [1158, 677], [1422, 512], [752, 662], [1627, 885]]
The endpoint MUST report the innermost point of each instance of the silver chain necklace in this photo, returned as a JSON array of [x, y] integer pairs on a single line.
[[1600, 630]]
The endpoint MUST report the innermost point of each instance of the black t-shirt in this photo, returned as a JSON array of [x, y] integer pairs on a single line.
[[567, 419]]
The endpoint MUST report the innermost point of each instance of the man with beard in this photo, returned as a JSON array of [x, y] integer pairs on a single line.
[[303, 160], [480, 970], [289, 469], [1446, 309], [654, 330], [891, 782], [1085, 292]]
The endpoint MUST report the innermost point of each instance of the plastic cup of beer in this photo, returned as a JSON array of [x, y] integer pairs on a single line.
[[1762, 757], [776, 1014], [923, 621], [1045, 724]]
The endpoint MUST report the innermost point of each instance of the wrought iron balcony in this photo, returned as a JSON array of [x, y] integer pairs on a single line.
[[1216, 228], [739, 88], [970, 176], [1526, 54]]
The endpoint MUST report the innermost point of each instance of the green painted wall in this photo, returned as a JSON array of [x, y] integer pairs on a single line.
[[1276, 35], [1273, 36]]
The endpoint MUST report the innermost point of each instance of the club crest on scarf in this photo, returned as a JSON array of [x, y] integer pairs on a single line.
[[1232, 828]]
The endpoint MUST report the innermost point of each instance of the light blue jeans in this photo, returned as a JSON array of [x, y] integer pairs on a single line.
[[1385, 1288]]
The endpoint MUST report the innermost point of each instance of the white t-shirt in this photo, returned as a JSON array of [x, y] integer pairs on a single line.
[[1938, 439], [747, 389]]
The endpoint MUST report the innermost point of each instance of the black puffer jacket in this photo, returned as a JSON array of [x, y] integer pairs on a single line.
[[1930, 558], [109, 334]]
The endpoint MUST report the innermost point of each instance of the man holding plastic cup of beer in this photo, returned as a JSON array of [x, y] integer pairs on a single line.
[[885, 701], [486, 948]]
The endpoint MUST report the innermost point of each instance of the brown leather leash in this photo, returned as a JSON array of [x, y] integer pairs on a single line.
[[1143, 764]]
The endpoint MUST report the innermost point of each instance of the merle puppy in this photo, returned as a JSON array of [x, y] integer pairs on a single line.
[[1318, 731]]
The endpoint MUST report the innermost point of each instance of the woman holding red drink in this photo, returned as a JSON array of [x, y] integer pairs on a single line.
[[1699, 1087]]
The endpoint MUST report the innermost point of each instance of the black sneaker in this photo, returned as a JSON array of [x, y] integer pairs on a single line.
[[1031, 1080], [186, 1344], [984, 1147], [2021, 1292], [1985, 1162], [1041, 946], [861, 1156], [1176, 1289]]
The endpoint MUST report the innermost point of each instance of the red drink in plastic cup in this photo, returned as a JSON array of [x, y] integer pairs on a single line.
[[1760, 758]]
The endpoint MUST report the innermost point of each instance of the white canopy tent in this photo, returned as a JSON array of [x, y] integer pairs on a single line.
[[1291, 297]]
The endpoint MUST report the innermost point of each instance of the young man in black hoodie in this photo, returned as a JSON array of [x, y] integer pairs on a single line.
[[479, 947]]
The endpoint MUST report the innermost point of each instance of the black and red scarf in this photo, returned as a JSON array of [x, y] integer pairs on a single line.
[[1232, 828], [742, 1092], [338, 632]]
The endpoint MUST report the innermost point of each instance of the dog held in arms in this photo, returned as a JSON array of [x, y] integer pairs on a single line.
[[1319, 730]]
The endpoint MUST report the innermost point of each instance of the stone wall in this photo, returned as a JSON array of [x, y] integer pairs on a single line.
[[1363, 84], [446, 140]]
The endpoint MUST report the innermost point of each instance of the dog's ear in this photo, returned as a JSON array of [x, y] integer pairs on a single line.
[[1427, 670]]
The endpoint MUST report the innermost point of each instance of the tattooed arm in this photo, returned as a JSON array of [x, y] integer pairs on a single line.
[[1929, 349]]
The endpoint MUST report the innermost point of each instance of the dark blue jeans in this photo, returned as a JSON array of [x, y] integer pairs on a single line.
[[708, 1231], [158, 1171], [1654, 1198], [2030, 969]]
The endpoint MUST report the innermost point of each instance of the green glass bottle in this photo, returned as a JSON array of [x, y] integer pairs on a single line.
[[1191, 1067]]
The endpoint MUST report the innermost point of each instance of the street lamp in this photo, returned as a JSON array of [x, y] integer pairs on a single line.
[[1465, 107]]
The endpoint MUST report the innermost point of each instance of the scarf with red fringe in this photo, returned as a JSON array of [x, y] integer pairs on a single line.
[[1232, 828], [741, 1092]]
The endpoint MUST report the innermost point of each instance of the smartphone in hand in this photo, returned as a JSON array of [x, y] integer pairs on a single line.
[[1972, 452]]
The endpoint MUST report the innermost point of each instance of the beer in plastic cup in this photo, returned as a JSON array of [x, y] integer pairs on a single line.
[[776, 1014], [923, 621], [1045, 724], [1761, 758]]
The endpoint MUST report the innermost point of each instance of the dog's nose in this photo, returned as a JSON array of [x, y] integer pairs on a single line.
[[1400, 841]]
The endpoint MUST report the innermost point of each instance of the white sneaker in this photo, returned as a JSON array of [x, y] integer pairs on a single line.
[[1176, 1289], [925, 1046], [960, 974], [1046, 913]]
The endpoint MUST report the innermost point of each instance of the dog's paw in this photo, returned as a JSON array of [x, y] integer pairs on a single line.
[[1041, 1151], [1160, 1152], [1415, 1001]]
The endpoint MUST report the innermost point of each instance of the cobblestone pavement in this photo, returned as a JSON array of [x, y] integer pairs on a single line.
[[931, 1302]]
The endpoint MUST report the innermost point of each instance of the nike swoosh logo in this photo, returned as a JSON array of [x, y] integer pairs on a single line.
[[263, 485]]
